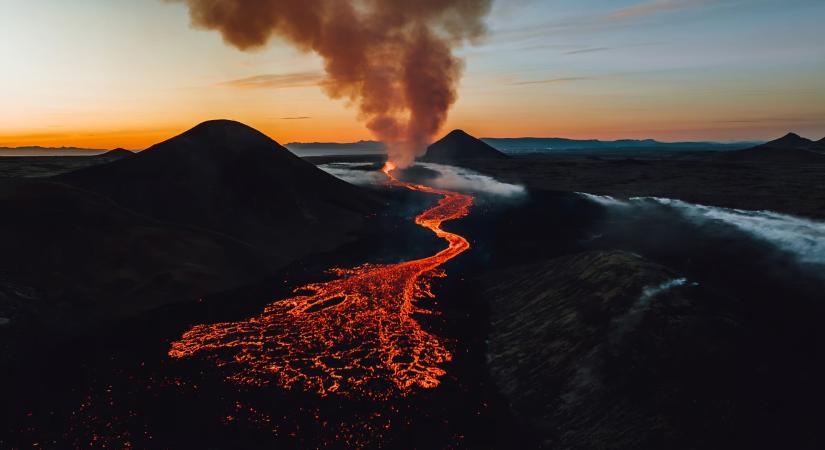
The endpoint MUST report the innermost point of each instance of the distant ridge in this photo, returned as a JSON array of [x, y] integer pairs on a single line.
[[554, 144], [39, 147], [458, 145], [50, 151], [360, 144], [117, 153]]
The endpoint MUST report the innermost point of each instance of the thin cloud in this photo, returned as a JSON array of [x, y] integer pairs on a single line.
[[275, 81], [296, 118], [605, 19], [761, 120], [657, 7], [553, 81], [588, 50]]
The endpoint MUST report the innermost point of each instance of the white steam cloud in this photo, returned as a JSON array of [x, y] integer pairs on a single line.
[[636, 313], [447, 177], [803, 238], [461, 179], [355, 173]]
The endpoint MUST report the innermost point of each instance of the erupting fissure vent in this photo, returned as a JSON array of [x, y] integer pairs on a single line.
[[354, 335]]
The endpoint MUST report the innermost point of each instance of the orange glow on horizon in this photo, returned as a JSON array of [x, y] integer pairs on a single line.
[[142, 138]]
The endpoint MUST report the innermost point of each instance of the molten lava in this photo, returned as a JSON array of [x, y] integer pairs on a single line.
[[354, 335]]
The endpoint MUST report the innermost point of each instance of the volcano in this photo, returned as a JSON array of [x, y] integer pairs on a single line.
[[227, 177], [789, 148], [790, 140], [457, 146]]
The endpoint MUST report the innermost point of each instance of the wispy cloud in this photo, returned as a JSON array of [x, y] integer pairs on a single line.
[[562, 80], [773, 120], [275, 81], [588, 50], [606, 19], [658, 6], [296, 118]]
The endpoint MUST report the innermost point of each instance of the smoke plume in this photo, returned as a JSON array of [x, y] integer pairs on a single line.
[[393, 59]]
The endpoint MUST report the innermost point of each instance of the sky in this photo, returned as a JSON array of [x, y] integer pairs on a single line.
[[131, 73]]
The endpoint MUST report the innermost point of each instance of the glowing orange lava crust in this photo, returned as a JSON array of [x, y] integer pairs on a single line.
[[354, 335]]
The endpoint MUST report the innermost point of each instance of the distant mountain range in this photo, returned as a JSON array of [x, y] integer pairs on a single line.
[[530, 145], [50, 151], [325, 148], [520, 145], [542, 145]]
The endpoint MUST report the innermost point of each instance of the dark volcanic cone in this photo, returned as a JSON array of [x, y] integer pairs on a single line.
[[459, 145], [790, 148], [227, 177], [790, 140]]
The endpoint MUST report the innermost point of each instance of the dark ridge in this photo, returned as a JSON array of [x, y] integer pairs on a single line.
[[117, 153], [227, 177], [459, 145]]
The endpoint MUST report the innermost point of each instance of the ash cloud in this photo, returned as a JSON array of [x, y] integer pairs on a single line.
[[393, 59]]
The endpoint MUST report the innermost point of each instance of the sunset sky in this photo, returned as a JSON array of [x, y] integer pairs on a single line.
[[129, 73]]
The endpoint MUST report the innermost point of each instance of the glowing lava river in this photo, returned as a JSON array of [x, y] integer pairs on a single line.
[[355, 335]]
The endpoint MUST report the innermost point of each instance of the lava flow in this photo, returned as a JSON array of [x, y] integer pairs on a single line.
[[354, 335]]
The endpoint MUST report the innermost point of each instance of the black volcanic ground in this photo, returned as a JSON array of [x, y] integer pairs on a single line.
[[574, 325]]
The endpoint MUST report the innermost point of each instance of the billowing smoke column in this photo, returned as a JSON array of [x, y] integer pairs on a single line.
[[391, 58]]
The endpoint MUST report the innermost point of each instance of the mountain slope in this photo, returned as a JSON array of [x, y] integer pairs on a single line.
[[227, 177], [89, 260], [459, 145]]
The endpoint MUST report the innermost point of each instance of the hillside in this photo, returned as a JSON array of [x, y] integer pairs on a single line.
[[88, 261], [227, 177]]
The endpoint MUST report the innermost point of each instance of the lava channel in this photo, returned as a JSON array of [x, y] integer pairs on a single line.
[[353, 336]]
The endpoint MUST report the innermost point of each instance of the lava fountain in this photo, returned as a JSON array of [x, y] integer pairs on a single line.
[[355, 335]]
